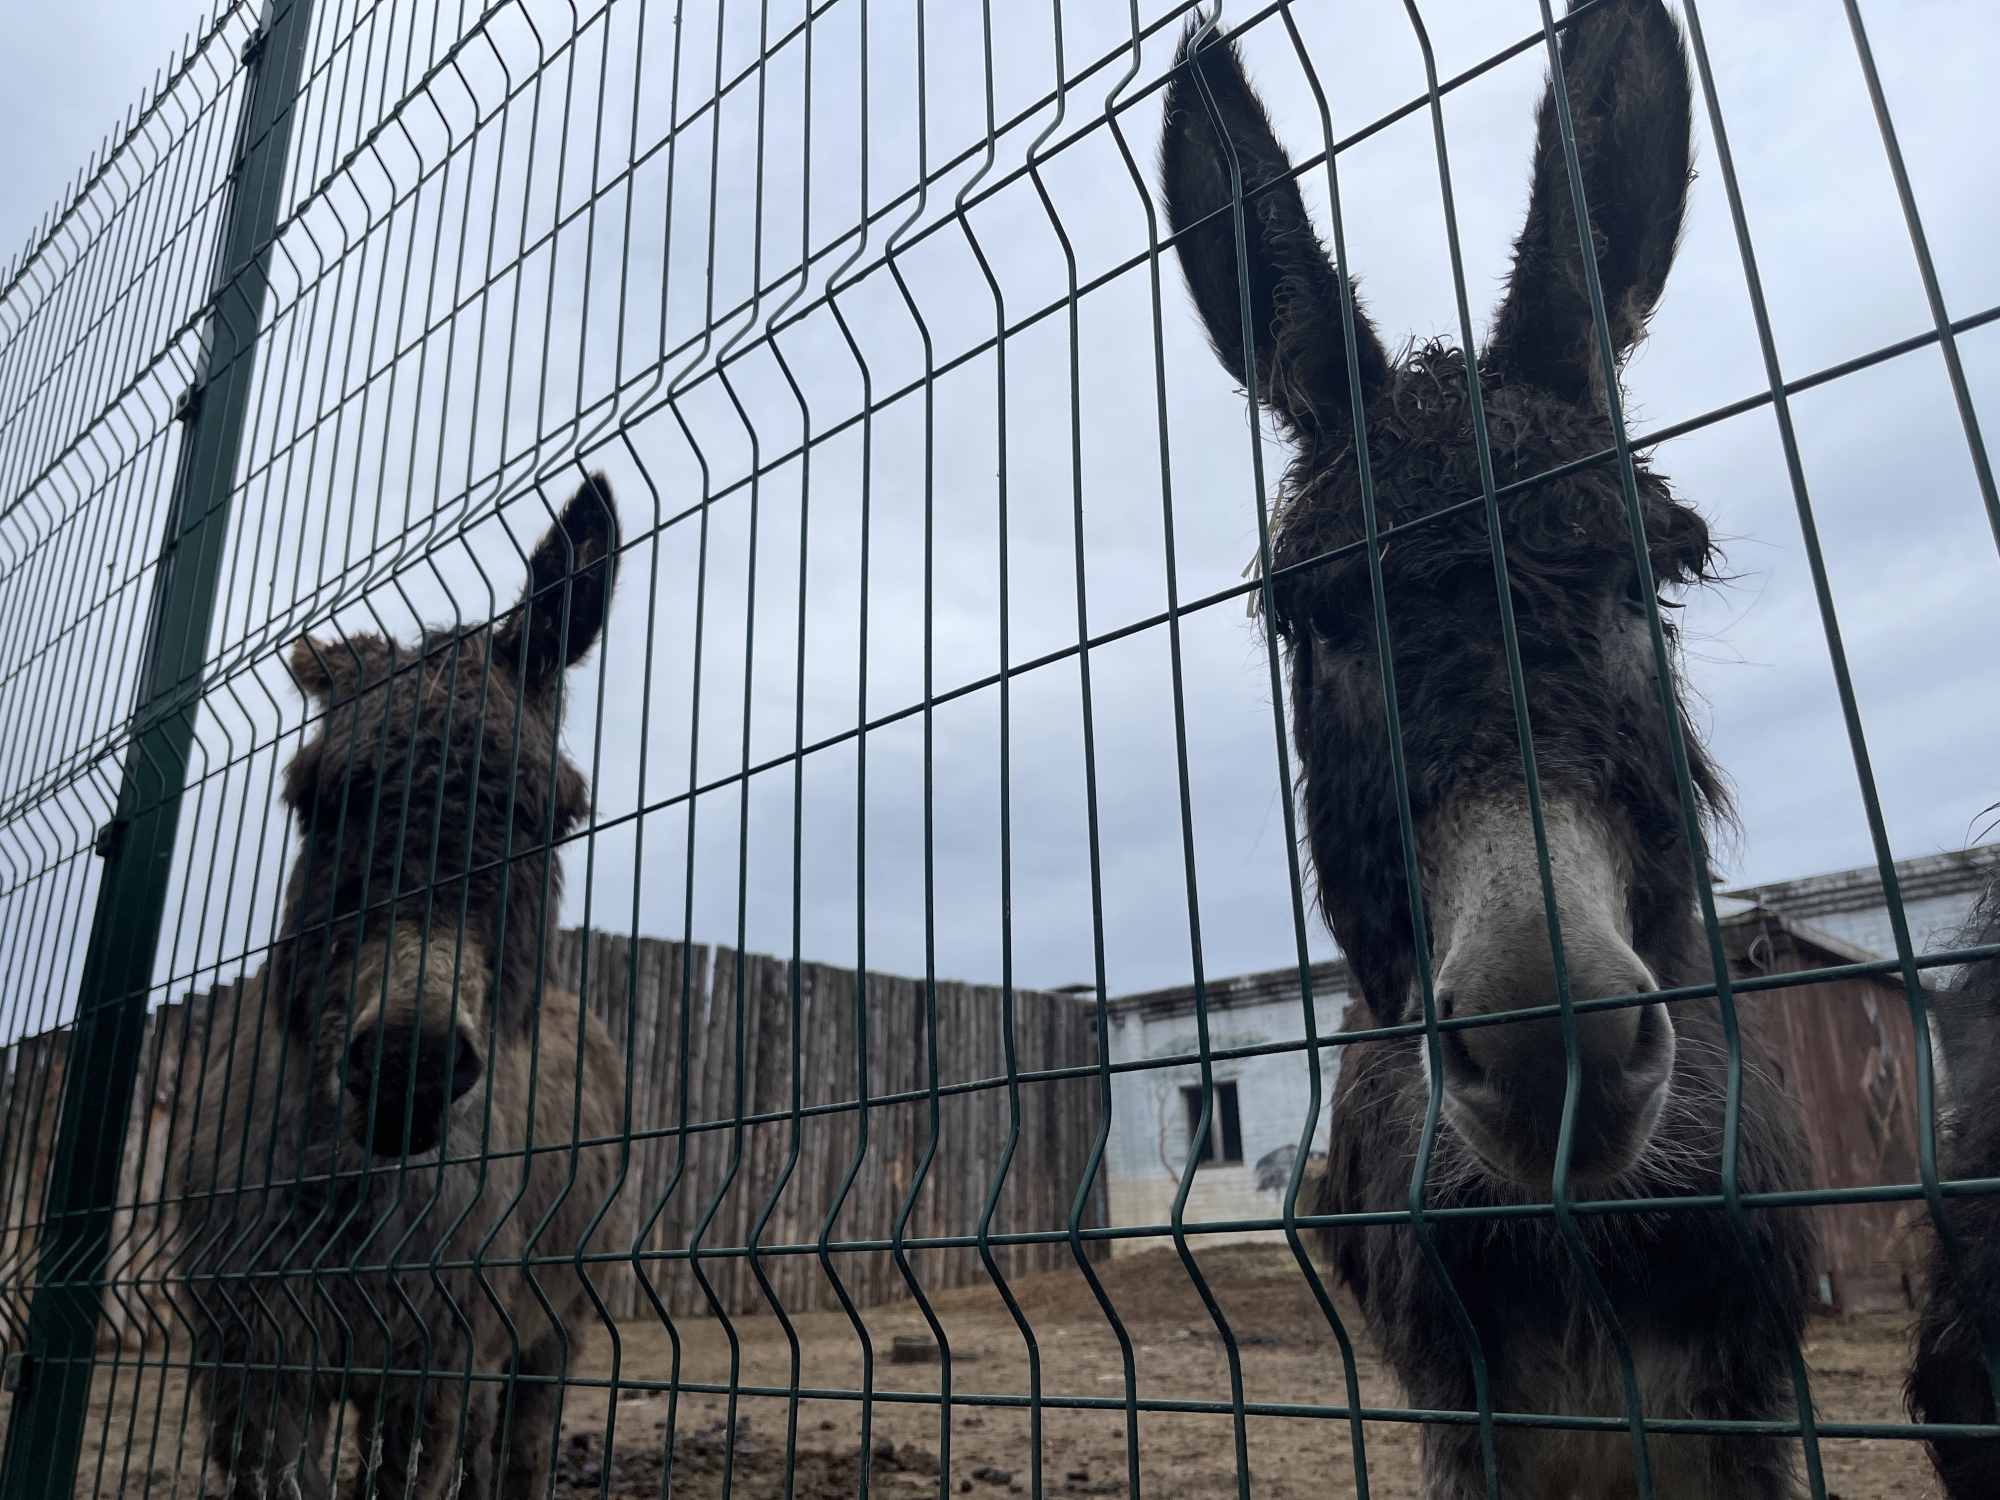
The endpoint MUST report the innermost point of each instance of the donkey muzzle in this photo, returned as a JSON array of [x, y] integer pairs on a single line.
[[418, 1042], [1507, 1084]]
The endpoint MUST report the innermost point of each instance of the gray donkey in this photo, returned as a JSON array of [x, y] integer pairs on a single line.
[[1708, 1318], [388, 1155]]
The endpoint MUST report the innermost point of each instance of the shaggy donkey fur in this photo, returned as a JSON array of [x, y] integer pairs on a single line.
[[1708, 1332], [358, 1208], [1950, 1379]]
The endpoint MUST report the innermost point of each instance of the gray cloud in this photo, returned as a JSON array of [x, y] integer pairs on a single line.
[[1909, 549]]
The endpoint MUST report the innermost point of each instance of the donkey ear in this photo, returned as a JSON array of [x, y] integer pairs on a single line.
[[1295, 323], [333, 671], [568, 594], [1629, 102], [311, 667]]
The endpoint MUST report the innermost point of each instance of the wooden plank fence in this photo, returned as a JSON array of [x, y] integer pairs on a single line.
[[757, 1148], [1848, 1053]]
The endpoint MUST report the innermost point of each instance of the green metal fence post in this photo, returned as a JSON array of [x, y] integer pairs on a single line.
[[51, 1379]]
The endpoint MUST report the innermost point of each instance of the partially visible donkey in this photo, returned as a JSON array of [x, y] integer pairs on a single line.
[[360, 1202], [1707, 1334], [1950, 1380]]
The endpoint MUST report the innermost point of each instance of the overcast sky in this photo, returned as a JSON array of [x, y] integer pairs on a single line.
[[1911, 555]]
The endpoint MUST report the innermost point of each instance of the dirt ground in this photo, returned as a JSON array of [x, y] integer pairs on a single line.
[[1287, 1355]]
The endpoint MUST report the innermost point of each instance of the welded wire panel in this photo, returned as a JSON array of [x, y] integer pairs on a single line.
[[818, 856]]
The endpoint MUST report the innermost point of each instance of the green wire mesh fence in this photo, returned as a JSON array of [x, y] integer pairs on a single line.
[[633, 765]]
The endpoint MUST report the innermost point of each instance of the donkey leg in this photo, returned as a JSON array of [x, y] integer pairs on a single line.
[[1754, 1468], [422, 1434], [382, 1430], [458, 1442], [476, 1477], [528, 1416], [1453, 1467], [264, 1436]]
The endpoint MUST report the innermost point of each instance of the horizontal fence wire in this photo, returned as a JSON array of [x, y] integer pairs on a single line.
[[733, 746]]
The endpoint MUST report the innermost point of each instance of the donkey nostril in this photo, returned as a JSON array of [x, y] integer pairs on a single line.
[[466, 1067], [1652, 1041], [360, 1066], [1458, 1059]]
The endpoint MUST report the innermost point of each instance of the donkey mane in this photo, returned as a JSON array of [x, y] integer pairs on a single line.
[[1556, 533]]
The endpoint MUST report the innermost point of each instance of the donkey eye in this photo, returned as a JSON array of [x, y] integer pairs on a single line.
[[1339, 617], [1333, 633]]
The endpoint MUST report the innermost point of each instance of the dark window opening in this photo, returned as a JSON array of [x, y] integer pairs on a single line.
[[1225, 1127]]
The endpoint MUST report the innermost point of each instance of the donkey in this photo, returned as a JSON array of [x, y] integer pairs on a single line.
[[1708, 1331], [1949, 1378], [361, 1209]]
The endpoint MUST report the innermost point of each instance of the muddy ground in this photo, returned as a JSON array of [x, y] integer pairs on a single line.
[[1287, 1354]]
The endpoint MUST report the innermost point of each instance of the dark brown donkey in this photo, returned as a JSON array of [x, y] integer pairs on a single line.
[[1708, 1333], [1952, 1378], [363, 1219]]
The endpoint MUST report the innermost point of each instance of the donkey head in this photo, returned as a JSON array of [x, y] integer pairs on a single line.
[[1623, 878], [430, 796]]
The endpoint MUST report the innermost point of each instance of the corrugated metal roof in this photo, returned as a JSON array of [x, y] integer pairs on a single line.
[[1328, 979], [1955, 872]]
